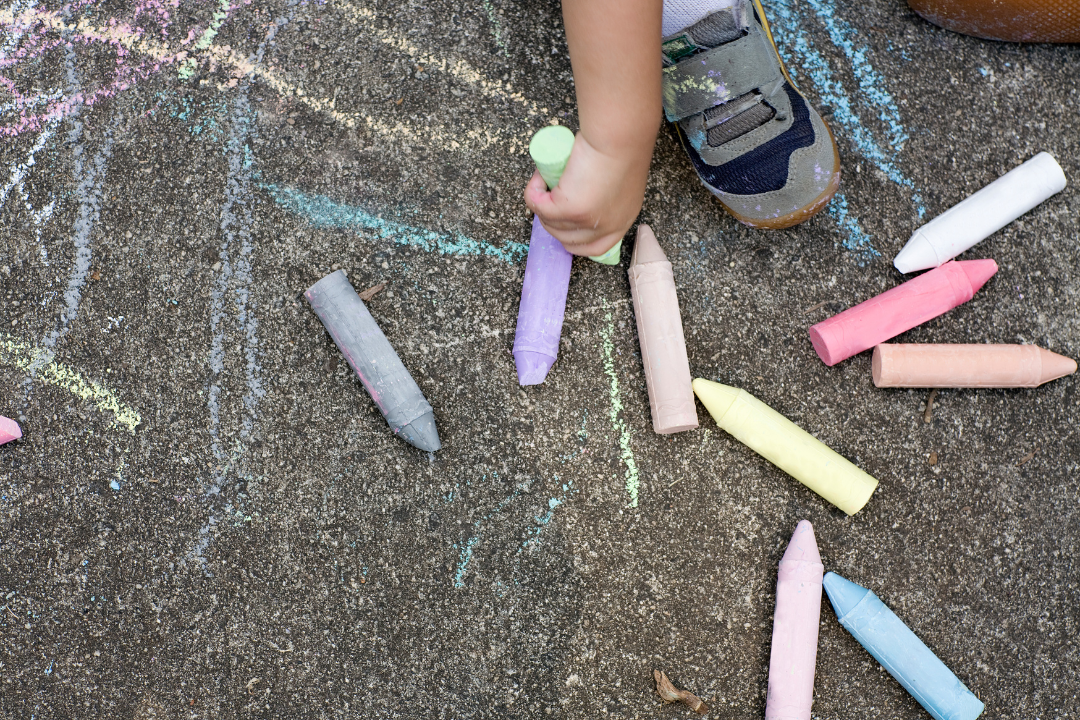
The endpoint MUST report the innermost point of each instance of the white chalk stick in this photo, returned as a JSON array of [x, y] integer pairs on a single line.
[[981, 215]]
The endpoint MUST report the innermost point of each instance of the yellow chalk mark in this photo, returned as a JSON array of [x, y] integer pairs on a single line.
[[25, 357], [476, 138], [428, 134], [459, 69]]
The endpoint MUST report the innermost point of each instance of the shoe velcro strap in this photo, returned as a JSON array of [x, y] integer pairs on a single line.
[[715, 76]]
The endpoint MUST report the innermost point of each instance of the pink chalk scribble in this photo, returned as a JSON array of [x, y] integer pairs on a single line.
[[124, 51]]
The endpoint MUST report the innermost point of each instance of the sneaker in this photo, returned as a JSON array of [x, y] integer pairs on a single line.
[[1040, 21], [754, 140]]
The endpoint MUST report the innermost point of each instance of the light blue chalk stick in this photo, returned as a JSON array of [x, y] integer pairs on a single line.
[[900, 651]]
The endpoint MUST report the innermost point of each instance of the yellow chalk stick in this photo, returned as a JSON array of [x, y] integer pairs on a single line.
[[787, 446]]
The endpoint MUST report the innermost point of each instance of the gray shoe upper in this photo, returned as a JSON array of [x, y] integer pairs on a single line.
[[755, 142]]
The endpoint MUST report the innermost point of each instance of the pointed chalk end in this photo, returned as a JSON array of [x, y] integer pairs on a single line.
[[918, 254], [532, 367], [646, 248], [9, 430], [803, 546], [1055, 366], [978, 272], [843, 594], [716, 398], [421, 433]]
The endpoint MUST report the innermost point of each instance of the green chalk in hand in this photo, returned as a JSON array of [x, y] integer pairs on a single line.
[[611, 257], [550, 149]]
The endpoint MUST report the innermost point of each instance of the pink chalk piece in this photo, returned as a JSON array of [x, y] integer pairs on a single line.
[[9, 430], [898, 310], [660, 332], [795, 628]]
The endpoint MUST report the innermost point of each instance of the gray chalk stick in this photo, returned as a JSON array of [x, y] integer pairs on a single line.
[[373, 358]]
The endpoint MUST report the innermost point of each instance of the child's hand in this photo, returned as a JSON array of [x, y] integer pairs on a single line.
[[615, 53], [597, 198]]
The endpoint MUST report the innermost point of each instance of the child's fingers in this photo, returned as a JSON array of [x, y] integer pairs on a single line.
[[537, 197]]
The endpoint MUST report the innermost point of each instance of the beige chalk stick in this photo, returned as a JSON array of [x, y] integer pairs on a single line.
[[660, 332], [787, 446], [967, 366]]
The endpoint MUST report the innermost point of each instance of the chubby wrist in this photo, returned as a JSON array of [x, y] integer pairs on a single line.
[[631, 145]]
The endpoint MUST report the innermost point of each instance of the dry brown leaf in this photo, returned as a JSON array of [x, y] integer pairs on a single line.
[[372, 291], [669, 693]]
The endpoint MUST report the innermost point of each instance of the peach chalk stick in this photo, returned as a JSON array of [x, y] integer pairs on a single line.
[[9, 430], [660, 332], [795, 628], [967, 366], [898, 310], [787, 446]]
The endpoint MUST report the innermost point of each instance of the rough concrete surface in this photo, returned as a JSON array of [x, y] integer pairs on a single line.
[[208, 518]]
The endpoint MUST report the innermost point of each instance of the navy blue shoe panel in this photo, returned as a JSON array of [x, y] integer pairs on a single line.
[[765, 168]]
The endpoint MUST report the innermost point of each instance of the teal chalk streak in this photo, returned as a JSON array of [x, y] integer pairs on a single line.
[[532, 535], [870, 82], [466, 556], [799, 54], [322, 212], [857, 240], [467, 551]]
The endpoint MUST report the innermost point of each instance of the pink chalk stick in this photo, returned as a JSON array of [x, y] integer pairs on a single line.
[[795, 628], [9, 430], [900, 309], [660, 332]]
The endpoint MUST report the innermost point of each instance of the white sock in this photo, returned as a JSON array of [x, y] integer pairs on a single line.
[[679, 14]]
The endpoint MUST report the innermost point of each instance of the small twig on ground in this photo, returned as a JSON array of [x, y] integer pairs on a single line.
[[928, 414], [820, 305], [667, 691], [372, 291], [1027, 458]]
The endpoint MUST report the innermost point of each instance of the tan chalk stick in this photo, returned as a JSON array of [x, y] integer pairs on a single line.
[[967, 366], [660, 332]]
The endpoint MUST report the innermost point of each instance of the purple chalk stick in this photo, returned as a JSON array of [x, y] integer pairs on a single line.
[[543, 302]]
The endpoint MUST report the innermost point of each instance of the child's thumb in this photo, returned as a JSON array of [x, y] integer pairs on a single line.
[[537, 197]]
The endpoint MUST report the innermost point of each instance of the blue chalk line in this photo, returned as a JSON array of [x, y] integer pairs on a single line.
[[799, 55], [323, 212]]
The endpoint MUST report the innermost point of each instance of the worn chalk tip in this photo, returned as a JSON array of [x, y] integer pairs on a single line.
[[532, 367], [646, 248], [421, 433], [330, 283], [803, 546], [843, 594], [978, 272], [611, 257], [918, 254], [9, 430], [550, 149]]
